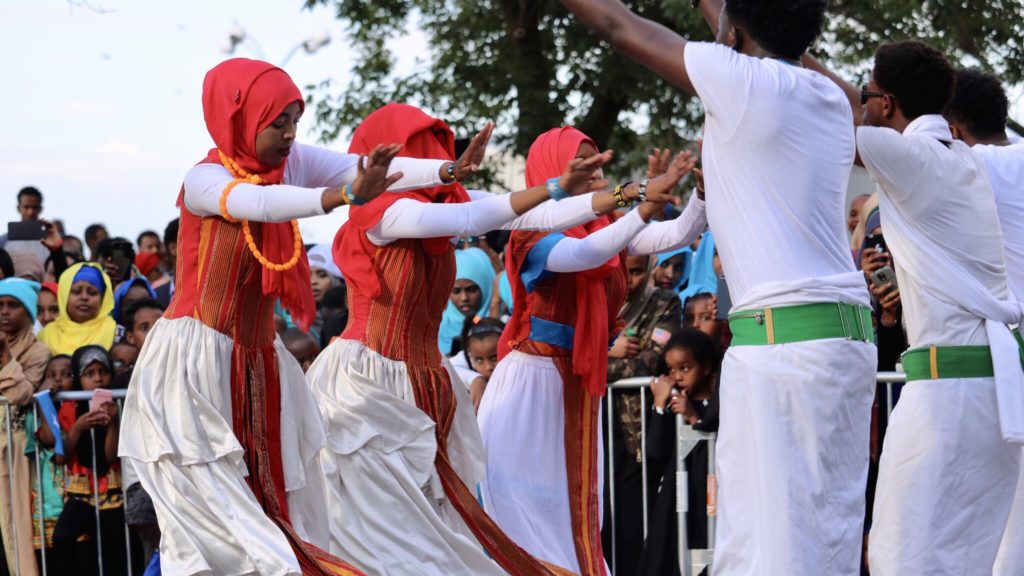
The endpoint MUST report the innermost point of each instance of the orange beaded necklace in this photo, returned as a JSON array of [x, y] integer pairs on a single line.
[[242, 176]]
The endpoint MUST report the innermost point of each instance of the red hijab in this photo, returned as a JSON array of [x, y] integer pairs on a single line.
[[547, 159], [421, 136], [241, 97]]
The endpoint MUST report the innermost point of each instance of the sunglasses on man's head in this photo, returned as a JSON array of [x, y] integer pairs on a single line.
[[866, 95]]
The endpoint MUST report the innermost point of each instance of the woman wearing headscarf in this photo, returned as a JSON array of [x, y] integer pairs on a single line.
[[129, 291], [539, 416], [86, 300], [219, 423], [399, 431], [23, 360], [470, 297]]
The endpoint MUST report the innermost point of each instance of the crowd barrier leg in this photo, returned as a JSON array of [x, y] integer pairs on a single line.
[[643, 454], [609, 449], [13, 534], [682, 499], [39, 492], [96, 502], [124, 505]]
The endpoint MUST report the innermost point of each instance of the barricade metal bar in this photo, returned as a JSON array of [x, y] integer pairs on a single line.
[[96, 502], [609, 419], [39, 491], [682, 501], [643, 453], [124, 505], [13, 535]]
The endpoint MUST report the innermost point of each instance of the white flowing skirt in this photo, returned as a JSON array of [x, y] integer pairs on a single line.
[[177, 435], [388, 511], [522, 420], [792, 458], [946, 482], [1010, 560]]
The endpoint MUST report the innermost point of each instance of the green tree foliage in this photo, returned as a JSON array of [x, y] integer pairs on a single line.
[[529, 65]]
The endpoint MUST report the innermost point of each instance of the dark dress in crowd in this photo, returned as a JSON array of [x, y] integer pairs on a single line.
[[660, 317], [660, 556]]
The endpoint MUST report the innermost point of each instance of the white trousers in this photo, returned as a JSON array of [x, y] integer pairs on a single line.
[[946, 482], [792, 458]]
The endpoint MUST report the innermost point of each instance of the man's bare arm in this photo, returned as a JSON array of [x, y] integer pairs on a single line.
[[643, 40]]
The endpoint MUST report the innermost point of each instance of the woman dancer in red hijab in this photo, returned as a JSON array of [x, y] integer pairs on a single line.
[[540, 414], [219, 423], [399, 432]]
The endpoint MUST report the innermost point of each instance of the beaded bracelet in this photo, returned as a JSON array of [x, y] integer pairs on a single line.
[[642, 194], [555, 190], [620, 198], [452, 178], [350, 199]]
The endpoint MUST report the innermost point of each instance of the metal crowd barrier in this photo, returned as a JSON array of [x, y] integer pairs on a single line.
[[690, 561], [12, 530]]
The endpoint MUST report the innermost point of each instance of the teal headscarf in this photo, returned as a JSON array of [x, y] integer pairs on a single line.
[[702, 270], [687, 259], [474, 265], [24, 291]]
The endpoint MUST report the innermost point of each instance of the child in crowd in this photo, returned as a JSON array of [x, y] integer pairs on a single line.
[[303, 346], [701, 313], [688, 387], [124, 356], [47, 309], [324, 275], [90, 436], [480, 356], [334, 309], [57, 378]]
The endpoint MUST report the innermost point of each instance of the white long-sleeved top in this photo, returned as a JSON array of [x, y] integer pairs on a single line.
[[409, 218], [578, 254], [310, 171]]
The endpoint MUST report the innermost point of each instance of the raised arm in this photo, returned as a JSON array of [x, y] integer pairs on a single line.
[[643, 40], [409, 218], [666, 236]]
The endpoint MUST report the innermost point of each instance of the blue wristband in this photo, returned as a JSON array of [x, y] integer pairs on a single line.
[[555, 190]]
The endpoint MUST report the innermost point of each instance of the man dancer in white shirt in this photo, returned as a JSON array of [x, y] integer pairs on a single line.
[[977, 116], [798, 381], [948, 467]]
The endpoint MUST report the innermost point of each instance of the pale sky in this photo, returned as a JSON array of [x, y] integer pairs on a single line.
[[103, 112]]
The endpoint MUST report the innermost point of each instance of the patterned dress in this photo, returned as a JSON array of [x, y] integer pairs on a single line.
[[403, 454], [220, 425]]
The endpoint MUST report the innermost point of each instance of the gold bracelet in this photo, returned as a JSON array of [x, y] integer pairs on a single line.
[[620, 198]]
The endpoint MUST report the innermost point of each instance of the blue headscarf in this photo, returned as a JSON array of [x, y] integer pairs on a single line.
[[505, 290], [24, 291], [91, 275], [687, 258], [474, 265], [702, 270], [122, 291]]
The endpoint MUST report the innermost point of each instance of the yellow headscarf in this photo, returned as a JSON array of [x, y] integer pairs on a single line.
[[64, 335]]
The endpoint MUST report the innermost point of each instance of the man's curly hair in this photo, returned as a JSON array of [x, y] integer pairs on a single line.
[[979, 103], [917, 75], [784, 27]]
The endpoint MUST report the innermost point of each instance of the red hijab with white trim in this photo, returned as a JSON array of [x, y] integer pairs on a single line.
[[241, 98]]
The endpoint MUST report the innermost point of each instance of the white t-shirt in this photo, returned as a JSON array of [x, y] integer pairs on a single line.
[[778, 150], [1006, 174], [935, 190]]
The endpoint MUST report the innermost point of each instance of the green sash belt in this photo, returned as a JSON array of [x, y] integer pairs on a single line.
[[789, 324], [940, 362]]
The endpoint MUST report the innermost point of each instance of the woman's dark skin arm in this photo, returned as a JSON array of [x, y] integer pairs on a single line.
[[643, 40]]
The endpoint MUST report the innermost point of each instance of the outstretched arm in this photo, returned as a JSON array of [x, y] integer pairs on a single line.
[[643, 40]]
